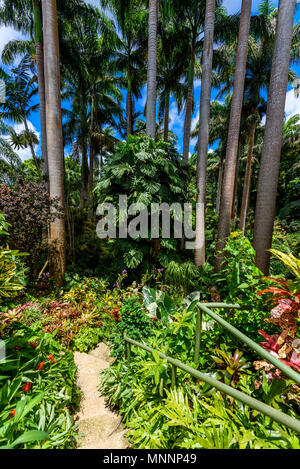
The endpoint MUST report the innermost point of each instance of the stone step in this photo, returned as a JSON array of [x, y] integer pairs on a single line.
[[103, 431]]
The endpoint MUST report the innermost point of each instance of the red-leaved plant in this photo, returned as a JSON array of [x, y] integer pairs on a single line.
[[285, 316]]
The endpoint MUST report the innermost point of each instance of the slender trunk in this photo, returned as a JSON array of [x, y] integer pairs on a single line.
[[203, 136], [92, 165], [233, 134], [84, 172], [129, 111], [235, 199], [152, 69], [166, 119], [34, 157], [220, 180], [55, 148], [247, 182], [189, 109], [38, 37], [270, 159]]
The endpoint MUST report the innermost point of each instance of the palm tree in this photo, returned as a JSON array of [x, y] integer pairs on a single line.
[[152, 68], [38, 39], [20, 89], [171, 67], [233, 134], [270, 160], [55, 148], [128, 51], [203, 138], [21, 15], [9, 159]]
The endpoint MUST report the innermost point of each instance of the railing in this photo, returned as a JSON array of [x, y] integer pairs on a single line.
[[265, 409]]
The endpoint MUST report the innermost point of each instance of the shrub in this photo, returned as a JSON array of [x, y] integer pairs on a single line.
[[26, 207], [38, 393], [131, 320]]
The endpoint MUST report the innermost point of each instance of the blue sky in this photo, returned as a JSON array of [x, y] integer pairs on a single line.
[[176, 119]]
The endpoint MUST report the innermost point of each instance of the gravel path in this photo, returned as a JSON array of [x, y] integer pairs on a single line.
[[102, 428]]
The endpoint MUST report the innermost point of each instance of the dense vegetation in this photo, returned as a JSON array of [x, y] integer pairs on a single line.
[[66, 288]]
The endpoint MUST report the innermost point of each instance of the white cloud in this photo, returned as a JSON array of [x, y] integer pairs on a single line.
[[176, 118], [8, 34], [95, 3], [292, 104]]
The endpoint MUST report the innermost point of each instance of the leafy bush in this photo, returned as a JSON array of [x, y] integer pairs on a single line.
[[191, 416], [38, 392], [87, 339], [12, 271], [147, 172], [131, 320], [26, 207], [284, 316]]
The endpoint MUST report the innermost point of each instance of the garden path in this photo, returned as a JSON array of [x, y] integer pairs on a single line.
[[99, 426]]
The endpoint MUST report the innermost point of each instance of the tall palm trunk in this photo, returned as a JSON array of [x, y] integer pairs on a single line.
[[270, 159], [55, 146], [219, 190], [235, 193], [84, 172], [166, 117], [247, 182], [152, 69], [203, 136], [38, 38], [129, 111], [92, 163], [189, 109], [233, 134]]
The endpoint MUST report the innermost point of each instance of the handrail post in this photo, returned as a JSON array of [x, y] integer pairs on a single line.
[[173, 379], [128, 349], [198, 336]]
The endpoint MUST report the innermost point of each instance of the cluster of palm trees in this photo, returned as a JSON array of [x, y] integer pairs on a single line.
[[89, 57]]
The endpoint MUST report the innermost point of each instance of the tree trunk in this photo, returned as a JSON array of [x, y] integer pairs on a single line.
[[235, 198], [129, 111], [270, 159], [233, 134], [55, 148], [38, 37], [34, 157], [152, 69], [166, 119], [203, 136], [84, 172], [220, 180], [188, 110], [247, 182]]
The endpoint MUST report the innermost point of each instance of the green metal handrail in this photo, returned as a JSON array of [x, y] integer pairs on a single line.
[[265, 409], [274, 414], [204, 307]]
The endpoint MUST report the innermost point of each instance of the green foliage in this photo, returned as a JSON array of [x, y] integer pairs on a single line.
[[12, 271], [37, 393], [88, 339], [191, 416], [132, 321], [12, 278], [146, 172], [158, 304]]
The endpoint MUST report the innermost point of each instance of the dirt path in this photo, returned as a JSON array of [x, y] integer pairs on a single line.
[[102, 428]]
